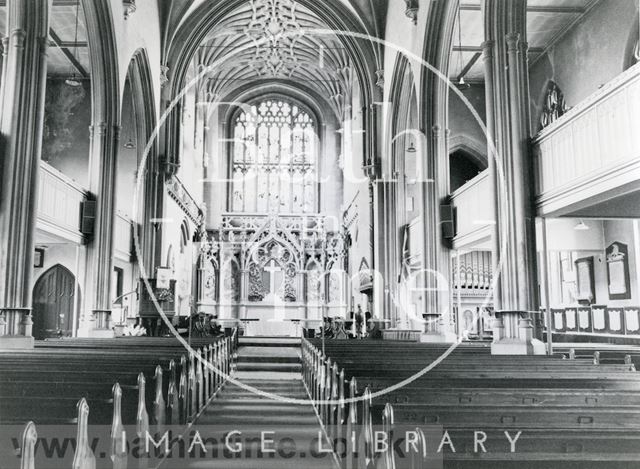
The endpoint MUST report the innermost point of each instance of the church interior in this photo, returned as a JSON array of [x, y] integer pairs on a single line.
[[329, 220]]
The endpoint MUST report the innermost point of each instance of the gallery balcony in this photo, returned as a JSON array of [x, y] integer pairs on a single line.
[[59, 201], [123, 245], [474, 213], [591, 155]]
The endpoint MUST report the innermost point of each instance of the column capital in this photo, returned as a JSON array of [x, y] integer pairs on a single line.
[[102, 128], [43, 43], [512, 40], [17, 38], [439, 131], [487, 47], [98, 130]]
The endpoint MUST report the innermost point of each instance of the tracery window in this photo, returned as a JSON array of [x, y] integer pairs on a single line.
[[274, 159]]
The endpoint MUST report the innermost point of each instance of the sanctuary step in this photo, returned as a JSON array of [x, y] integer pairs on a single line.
[[287, 423], [269, 341]]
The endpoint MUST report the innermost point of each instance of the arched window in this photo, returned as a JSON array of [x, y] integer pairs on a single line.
[[274, 159]]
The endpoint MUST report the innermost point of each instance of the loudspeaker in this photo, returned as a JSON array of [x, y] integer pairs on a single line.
[[87, 217], [447, 221]]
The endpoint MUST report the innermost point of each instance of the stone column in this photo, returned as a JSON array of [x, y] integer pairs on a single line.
[[105, 138], [507, 90], [21, 127], [378, 246], [392, 267], [436, 263]]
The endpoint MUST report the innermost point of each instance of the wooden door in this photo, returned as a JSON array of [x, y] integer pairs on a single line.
[[53, 303]]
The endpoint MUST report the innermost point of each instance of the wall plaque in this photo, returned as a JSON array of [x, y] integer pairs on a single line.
[[618, 272]]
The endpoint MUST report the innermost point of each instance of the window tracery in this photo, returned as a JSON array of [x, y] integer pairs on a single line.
[[274, 159]]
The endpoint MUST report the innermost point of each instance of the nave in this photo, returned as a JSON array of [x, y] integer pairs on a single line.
[[457, 177], [471, 410]]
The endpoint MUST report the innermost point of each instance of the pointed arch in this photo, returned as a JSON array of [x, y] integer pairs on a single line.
[[56, 303], [105, 133], [476, 151], [144, 104]]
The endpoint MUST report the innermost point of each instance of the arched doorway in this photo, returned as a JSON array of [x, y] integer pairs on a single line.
[[54, 297]]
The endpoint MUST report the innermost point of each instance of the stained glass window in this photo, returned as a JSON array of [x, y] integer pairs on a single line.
[[274, 159]]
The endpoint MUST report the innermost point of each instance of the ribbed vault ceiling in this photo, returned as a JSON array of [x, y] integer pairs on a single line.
[[266, 40]]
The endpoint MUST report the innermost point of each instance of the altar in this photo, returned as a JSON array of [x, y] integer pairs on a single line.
[[276, 319]]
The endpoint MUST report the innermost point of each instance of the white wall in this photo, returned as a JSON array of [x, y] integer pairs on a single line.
[[564, 240]]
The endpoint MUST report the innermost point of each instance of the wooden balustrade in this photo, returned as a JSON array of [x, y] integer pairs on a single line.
[[59, 199], [596, 138], [474, 211]]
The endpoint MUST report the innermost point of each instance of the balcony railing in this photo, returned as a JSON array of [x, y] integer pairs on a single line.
[[59, 200], [593, 148], [473, 204]]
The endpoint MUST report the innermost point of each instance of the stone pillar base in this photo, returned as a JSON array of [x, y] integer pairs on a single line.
[[518, 347], [16, 342], [101, 334], [438, 338], [513, 335]]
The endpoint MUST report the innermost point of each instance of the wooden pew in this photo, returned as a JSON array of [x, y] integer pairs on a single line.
[[593, 401], [197, 396]]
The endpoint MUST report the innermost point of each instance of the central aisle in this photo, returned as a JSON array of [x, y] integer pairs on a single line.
[[271, 365]]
